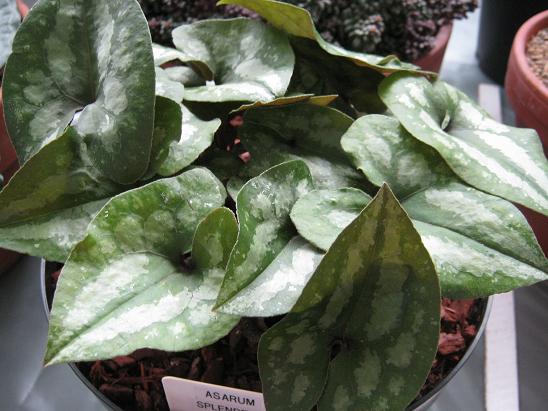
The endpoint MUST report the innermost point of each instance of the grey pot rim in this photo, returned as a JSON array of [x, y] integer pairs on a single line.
[[423, 403]]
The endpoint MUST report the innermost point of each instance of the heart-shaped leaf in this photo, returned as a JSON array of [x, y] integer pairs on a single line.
[[263, 207], [364, 332], [51, 200], [279, 286], [303, 131], [505, 161], [9, 22], [298, 22], [321, 215], [48, 203], [480, 244], [94, 57], [242, 59], [122, 287]]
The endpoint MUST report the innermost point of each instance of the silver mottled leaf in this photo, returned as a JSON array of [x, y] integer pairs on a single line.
[[122, 288], [263, 207], [505, 161], [321, 215], [94, 57], [242, 59], [276, 290], [51, 198], [375, 296], [9, 22], [456, 221]]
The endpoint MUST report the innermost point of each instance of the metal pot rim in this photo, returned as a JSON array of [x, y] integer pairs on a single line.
[[413, 406]]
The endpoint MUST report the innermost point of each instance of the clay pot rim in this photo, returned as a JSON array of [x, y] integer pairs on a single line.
[[441, 41], [519, 50]]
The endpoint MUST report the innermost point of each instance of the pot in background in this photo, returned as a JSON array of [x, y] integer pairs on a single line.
[[433, 60], [499, 21], [8, 161], [529, 98], [422, 404]]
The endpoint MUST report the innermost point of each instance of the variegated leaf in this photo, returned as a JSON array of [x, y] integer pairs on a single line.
[[51, 236], [122, 287], [196, 136], [168, 88], [9, 22], [167, 130], [276, 290], [455, 220], [381, 148], [263, 207], [242, 60], [52, 197], [297, 22], [163, 54], [364, 332], [90, 56], [304, 131], [321, 215], [505, 161]]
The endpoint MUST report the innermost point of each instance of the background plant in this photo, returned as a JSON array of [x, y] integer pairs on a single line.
[[351, 227], [404, 27]]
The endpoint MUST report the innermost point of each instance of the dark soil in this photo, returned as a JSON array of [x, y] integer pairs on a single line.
[[133, 382], [537, 55]]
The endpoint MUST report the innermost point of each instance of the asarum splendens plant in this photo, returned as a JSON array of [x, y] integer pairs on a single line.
[[369, 191]]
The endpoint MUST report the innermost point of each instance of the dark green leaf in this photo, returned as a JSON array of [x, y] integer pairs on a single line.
[[303, 131], [375, 297], [318, 72], [90, 56]]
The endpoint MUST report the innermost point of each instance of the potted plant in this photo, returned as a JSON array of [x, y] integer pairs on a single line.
[[414, 31], [184, 201], [527, 92], [11, 13]]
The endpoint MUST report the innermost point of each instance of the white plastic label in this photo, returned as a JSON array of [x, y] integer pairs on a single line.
[[188, 395]]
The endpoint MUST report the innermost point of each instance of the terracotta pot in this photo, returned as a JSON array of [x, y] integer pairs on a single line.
[[529, 98], [526, 92], [8, 161], [434, 58]]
